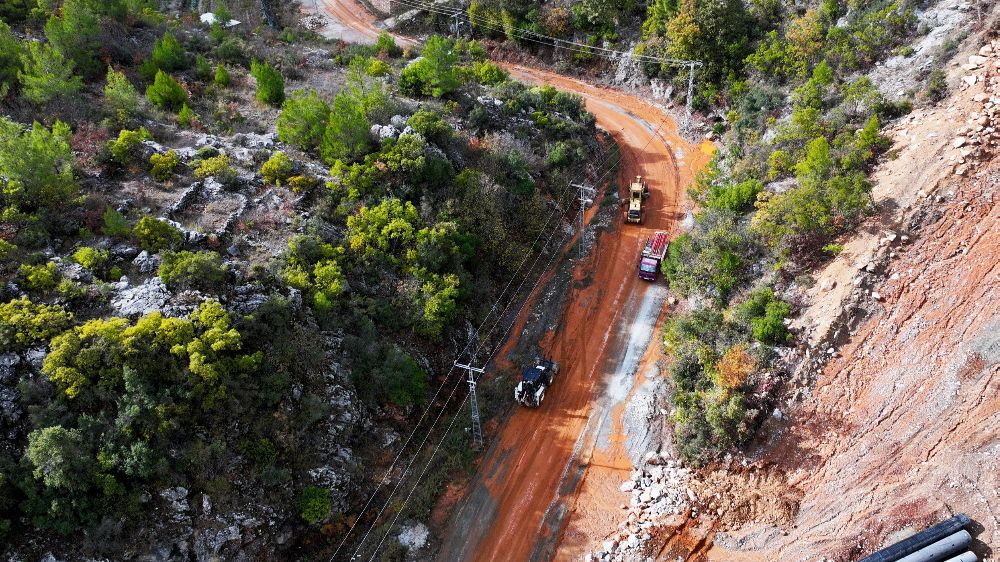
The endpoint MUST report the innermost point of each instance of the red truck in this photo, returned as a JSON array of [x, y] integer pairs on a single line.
[[652, 256]]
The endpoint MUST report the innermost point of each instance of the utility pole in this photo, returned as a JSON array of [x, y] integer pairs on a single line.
[[690, 91], [477, 430], [586, 195]]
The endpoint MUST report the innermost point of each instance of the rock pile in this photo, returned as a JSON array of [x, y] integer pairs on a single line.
[[980, 137], [658, 489]]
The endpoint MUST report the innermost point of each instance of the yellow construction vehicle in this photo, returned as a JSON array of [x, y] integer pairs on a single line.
[[637, 194]]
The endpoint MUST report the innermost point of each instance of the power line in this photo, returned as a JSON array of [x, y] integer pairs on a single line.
[[552, 215], [437, 447], [573, 46], [529, 35]]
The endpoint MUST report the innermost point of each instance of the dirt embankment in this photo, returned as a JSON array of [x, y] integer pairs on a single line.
[[902, 426]]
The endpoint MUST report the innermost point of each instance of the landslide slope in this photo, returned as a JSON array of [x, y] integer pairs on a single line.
[[901, 428]]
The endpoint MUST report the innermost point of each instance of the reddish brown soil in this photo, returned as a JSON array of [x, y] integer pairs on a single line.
[[528, 486], [903, 429], [530, 474]]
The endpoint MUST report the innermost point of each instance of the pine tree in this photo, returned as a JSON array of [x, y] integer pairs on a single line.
[[47, 74]]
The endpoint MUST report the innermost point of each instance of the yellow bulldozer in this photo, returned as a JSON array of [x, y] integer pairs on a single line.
[[638, 192]]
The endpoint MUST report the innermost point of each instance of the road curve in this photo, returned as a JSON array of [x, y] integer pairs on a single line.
[[525, 503]]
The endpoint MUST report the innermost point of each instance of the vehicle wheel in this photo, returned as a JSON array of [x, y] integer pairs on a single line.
[[541, 398]]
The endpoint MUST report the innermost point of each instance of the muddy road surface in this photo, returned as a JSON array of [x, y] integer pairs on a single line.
[[548, 485]]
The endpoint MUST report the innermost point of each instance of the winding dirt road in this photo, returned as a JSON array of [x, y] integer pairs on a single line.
[[548, 486]]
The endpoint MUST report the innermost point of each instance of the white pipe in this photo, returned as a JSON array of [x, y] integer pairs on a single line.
[[942, 549], [964, 557]]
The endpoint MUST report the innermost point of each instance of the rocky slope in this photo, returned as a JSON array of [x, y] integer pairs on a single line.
[[890, 421]]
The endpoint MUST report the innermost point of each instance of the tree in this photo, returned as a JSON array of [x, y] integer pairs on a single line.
[[15, 11], [11, 52], [348, 133], [303, 120], [36, 167], [166, 92], [75, 32], [222, 78], [434, 74], [270, 84], [168, 54], [59, 458], [120, 97], [716, 32], [437, 303], [47, 74]]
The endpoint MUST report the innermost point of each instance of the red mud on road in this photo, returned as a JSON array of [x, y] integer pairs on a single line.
[[527, 491]]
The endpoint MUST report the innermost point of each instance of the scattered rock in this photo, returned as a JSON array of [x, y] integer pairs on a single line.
[[136, 301], [414, 537]]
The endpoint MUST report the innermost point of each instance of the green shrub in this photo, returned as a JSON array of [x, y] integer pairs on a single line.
[[302, 183], [270, 84], [314, 504], [154, 235], [766, 315], [387, 44], [222, 78], [277, 169], [120, 97], [169, 54], [198, 270], [126, 148], [377, 67], [166, 92], [937, 86], [42, 278], [431, 126], [303, 120], [163, 165], [833, 249], [202, 68], [24, 323], [186, 117], [91, 258], [217, 167], [261, 453], [7, 250], [47, 74], [115, 224], [70, 290], [488, 73]]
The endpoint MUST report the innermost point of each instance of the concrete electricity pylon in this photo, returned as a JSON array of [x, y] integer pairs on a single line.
[[587, 194], [477, 430]]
